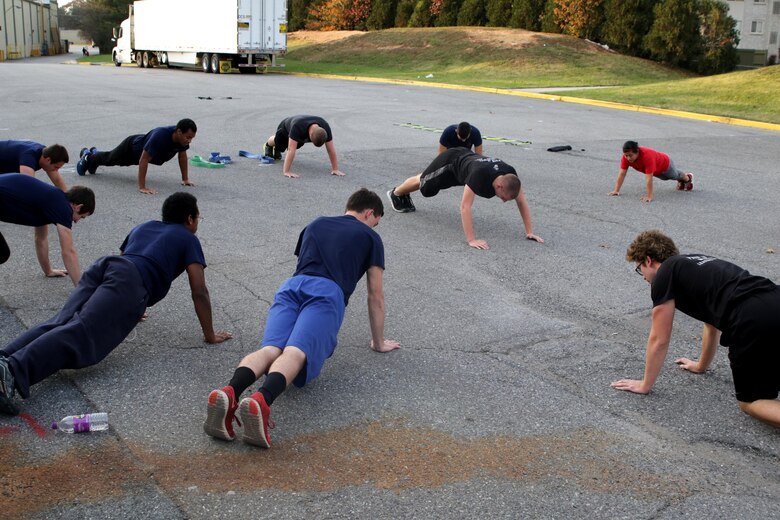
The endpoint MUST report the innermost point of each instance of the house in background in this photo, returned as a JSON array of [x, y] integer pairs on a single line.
[[758, 24], [28, 28]]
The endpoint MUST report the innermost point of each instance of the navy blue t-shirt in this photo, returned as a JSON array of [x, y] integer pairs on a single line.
[[27, 201], [339, 248], [159, 144], [14, 154], [449, 138], [705, 288], [161, 251]]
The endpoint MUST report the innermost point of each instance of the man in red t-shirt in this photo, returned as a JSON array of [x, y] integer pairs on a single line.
[[653, 164]]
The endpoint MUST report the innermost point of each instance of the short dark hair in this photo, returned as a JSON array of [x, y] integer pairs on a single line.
[[185, 125], [84, 196], [653, 244], [56, 153], [630, 146], [319, 136], [178, 207], [364, 199], [511, 184], [464, 130]]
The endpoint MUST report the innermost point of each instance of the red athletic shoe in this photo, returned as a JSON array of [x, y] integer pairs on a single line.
[[689, 184], [255, 415], [220, 414]]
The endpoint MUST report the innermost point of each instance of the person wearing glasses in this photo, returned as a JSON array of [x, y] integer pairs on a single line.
[[480, 176], [462, 135], [738, 309], [110, 299], [304, 321]]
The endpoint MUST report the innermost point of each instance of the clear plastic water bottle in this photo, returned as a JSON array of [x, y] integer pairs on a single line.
[[91, 422]]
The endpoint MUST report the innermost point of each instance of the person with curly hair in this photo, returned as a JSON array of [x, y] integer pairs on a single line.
[[737, 308]]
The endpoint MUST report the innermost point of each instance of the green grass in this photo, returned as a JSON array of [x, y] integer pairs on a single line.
[[485, 57], [100, 58], [746, 95]]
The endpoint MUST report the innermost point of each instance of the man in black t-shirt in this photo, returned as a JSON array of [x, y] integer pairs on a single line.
[[737, 308], [483, 176], [295, 131]]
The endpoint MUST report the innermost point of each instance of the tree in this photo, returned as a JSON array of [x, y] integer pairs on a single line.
[[382, 14], [526, 14], [448, 12], [472, 12], [580, 18], [627, 22], [97, 19], [297, 13], [421, 16], [674, 37], [547, 21], [403, 12], [719, 38], [498, 12]]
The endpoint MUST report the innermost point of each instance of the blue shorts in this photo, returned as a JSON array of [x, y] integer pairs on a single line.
[[307, 313]]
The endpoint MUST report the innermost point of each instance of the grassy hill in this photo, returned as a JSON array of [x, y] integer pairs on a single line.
[[475, 56]]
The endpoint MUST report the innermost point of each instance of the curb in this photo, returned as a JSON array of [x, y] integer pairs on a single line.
[[553, 97]]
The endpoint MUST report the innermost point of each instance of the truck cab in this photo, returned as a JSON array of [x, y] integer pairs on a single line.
[[122, 52]]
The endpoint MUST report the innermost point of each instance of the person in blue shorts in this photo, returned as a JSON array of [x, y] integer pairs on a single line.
[[28, 157], [739, 310], [110, 299], [28, 201], [157, 147], [462, 135], [304, 320]]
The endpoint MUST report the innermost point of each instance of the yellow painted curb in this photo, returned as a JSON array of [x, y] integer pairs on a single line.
[[554, 97]]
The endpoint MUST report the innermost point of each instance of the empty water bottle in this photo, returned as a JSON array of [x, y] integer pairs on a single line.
[[91, 422]]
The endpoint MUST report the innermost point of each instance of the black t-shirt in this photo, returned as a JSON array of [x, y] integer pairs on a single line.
[[705, 288], [478, 173], [298, 128]]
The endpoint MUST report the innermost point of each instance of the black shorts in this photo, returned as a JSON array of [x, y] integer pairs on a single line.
[[281, 139], [440, 174], [754, 347]]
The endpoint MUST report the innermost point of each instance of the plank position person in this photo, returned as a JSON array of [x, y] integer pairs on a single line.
[[738, 309], [28, 157], [653, 164], [295, 131], [305, 318], [483, 176], [110, 299], [461, 135]]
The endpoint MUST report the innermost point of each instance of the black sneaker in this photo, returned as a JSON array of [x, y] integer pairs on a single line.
[[7, 405], [408, 202], [81, 166], [398, 203], [268, 150], [82, 152], [277, 154], [91, 168]]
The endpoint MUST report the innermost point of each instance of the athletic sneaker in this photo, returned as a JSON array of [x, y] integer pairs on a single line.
[[90, 168], [255, 415], [82, 152], [93, 150], [268, 150], [81, 166], [689, 184], [399, 204], [7, 405], [220, 414], [408, 201]]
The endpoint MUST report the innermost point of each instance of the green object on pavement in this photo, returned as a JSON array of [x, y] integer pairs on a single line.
[[197, 160]]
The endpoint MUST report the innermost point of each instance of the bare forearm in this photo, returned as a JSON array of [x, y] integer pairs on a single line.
[[376, 318], [71, 261], [42, 249], [466, 220], [525, 214], [654, 360], [142, 169], [619, 182], [202, 303]]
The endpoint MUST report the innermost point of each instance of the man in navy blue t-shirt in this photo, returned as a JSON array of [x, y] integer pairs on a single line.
[[28, 157], [462, 135], [28, 201], [110, 300], [738, 309], [304, 320], [156, 147]]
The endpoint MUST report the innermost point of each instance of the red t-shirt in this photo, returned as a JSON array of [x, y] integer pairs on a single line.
[[648, 161]]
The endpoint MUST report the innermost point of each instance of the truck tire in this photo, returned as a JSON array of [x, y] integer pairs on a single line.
[[206, 63], [116, 61], [215, 63], [147, 62], [139, 59]]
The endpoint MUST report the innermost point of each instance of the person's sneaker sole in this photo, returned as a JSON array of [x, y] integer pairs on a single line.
[[252, 420], [81, 166], [216, 413], [82, 152], [689, 185]]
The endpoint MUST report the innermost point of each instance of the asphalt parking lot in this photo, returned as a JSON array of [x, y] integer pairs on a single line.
[[498, 404]]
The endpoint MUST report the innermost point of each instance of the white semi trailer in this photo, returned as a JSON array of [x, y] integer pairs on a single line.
[[213, 35]]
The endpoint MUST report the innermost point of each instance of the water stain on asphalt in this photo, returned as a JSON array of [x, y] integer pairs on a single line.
[[389, 455]]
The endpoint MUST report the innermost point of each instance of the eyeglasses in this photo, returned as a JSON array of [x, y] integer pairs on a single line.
[[639, 269], [201, 219]]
